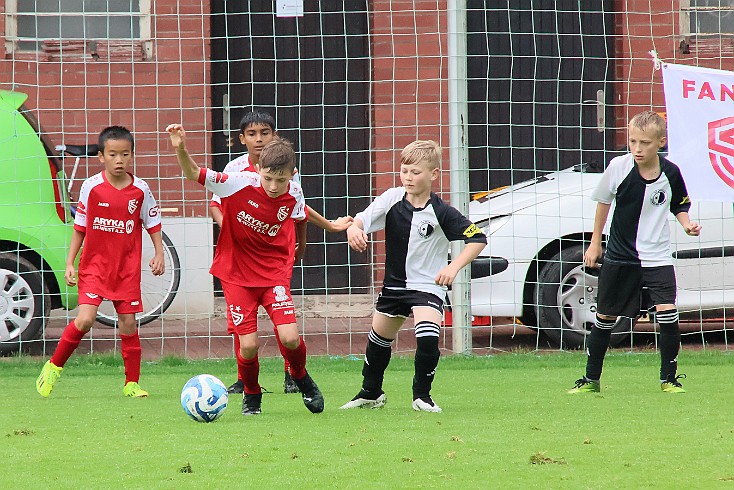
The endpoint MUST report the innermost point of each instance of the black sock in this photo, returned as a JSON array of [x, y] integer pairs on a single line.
[[376, 359], [427, 355], [669, 343], [596, 347]]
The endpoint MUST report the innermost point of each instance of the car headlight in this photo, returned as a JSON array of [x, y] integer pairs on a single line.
[[491, 225]]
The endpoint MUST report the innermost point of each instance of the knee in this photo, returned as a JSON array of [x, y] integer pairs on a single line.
[[84, 323], [249, 349], [291, 342]]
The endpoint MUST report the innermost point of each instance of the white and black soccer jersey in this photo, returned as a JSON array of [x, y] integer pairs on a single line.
[[416, 239], [639, 232]]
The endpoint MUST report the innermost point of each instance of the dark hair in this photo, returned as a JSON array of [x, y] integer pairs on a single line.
[[115, 133], [257, 117], [278, 157]]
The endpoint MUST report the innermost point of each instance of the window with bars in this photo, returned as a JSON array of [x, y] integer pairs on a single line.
[[99, 28]]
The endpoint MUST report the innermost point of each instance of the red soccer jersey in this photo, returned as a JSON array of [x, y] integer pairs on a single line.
[[112, 221], [257, 242]]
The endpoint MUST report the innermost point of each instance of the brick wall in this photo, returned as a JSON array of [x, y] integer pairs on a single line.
[[643, 25], [76, 96]]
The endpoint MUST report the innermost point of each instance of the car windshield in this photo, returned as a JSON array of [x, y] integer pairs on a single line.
[[47, 145]]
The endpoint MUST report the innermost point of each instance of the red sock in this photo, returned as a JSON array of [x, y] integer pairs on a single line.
[[251, 372], [297, 359], [131, 353], [283, 351], [240, 359], [69, 341]]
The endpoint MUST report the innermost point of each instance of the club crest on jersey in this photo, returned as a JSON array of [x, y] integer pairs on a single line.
[[658, 197], [279, 292], [132, 205], [237, 317], [425, 229], [282, 213]]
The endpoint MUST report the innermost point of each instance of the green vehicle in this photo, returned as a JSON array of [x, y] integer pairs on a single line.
[[35, 226]]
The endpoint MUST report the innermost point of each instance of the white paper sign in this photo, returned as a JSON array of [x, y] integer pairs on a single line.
[[700, 111], [289, 8]]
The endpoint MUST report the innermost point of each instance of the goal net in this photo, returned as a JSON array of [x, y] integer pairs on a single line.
[[548, 91]]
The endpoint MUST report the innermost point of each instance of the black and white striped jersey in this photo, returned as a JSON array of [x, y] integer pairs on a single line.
[[417, 239], [639, 232]]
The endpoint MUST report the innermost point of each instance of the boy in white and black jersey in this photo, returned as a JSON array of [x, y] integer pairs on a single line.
[[644, 187], [418, 228]]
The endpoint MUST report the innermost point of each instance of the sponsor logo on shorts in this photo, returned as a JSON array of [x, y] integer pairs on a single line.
[[237, 317], [134, 303], [92, 295]]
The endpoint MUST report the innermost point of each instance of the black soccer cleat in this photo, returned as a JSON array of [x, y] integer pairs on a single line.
[[251, 404], [236, 387], [312, 397], [289, 386]]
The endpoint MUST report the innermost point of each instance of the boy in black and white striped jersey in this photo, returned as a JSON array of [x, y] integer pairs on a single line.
[[418, 228], [645, 187]]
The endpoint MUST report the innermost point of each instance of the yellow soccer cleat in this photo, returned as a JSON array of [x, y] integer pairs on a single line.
[[133, 390], [672, 385], [48, 377]]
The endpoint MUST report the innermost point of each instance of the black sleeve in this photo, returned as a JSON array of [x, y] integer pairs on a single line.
[[679, 201], [456, 226]]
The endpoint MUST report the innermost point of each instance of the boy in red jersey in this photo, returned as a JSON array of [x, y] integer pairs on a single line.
[[257, 129], [262, 212], [114, 206]]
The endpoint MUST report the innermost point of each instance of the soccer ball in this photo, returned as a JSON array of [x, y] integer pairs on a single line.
[[204, 398]]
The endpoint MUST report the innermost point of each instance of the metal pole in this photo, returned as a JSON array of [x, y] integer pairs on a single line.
[[459, 166]]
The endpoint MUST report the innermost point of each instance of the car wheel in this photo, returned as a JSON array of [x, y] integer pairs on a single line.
[[566, 300], [24, 304]]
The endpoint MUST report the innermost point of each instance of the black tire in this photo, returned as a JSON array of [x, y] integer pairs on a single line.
[[566, 301], [157, 292], [25, 303]]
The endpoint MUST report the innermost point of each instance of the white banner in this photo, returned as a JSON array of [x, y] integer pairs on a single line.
[[700, 112]]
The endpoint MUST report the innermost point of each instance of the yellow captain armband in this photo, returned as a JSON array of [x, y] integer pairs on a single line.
[[471, 231]]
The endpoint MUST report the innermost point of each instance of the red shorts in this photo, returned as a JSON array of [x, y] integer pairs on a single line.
[[122, 306], [243, 302]]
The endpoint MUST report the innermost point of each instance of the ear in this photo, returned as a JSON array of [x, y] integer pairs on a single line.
[[434, 173], [100, 155], [242, 137], [663, 141]]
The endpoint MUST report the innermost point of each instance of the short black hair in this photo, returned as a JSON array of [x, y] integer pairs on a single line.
[[115, 133], [257, 117]]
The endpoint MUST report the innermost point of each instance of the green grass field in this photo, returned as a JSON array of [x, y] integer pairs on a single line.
[[507, 423]]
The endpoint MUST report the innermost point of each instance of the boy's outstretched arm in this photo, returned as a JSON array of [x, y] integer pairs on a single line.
[[691, 227], [178, 140], [593, 253], [340, 224], [356, 236], [447, 275]]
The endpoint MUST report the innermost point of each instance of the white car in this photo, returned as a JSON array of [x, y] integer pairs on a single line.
[[532, 268]]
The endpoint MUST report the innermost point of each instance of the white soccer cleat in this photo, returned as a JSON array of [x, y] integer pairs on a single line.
[[360, 401], [420, 405]]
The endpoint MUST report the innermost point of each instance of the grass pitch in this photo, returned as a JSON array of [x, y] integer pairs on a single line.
[[507, 423]]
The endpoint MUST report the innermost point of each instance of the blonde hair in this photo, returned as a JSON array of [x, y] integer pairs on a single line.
[[422, 151], [649, 120]]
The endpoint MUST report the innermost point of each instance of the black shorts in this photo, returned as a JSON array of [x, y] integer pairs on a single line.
[[400, 302], [621, 286]]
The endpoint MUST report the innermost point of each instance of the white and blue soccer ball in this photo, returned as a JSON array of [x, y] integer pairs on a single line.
[[204, 398]]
